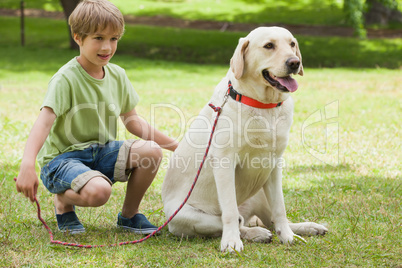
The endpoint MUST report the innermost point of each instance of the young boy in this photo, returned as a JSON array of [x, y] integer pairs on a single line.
[[74, 135]]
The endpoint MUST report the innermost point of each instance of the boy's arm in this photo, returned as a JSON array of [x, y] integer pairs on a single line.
[[140, 128], [27, 181]]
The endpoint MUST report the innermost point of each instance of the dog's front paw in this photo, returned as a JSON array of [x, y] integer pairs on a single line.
[[231, 245], [285, 234]]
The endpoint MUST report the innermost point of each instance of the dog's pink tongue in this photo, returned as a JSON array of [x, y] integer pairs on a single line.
[[288, 82]]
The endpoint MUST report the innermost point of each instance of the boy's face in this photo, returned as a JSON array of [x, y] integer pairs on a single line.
[[97, 49]]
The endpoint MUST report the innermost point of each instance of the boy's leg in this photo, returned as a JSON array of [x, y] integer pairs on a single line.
[[144, 159], [73, 182], [94, 193]]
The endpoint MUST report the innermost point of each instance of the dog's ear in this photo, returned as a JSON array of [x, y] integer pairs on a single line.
[[298, 54], [237, 61]]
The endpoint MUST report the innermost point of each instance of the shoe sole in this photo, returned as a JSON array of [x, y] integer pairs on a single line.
[[72, 231], [138, 231]]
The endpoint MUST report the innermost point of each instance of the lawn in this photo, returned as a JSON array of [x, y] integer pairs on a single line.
[[342, 169]]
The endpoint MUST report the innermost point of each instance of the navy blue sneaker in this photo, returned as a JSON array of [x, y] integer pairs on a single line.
[[138, 224], [68, 222]]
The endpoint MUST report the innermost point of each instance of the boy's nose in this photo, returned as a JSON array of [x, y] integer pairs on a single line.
[[106, 45]]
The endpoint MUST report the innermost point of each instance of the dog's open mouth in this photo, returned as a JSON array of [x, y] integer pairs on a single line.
[[285, 84]]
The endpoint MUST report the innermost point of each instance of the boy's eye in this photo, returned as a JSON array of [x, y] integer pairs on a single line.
[[98, 38]]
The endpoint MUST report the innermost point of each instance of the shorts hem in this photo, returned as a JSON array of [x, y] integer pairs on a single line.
[[82, 179], [121, 173]]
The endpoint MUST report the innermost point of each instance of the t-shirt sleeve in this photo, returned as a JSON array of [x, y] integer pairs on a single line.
[[131, 98], [58, 95]]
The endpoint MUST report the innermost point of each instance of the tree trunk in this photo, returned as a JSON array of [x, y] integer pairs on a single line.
[[381, 14], [68, 7]]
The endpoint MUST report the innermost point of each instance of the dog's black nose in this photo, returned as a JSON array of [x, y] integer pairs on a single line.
[[293, 64]]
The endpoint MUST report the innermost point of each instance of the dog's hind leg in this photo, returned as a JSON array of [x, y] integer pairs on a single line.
[[308, 228], [257, 212], [256, 205], [256, 234], [191, 222]]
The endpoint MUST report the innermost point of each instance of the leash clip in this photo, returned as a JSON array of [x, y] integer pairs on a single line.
[[225, 99], [219, 108]]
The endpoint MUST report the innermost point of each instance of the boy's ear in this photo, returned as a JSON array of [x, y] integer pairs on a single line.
[[77, 39]]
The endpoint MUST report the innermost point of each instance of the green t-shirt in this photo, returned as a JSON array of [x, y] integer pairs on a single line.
[[87, 109]]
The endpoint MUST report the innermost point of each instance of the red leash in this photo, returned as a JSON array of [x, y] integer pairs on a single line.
[[218, 110]]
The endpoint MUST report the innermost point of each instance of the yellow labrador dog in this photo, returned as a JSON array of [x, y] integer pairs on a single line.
[[242, 175]]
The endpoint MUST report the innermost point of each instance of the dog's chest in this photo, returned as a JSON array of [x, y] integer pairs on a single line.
[[258, 132], [262, 130], [253, 170], [262, 138]]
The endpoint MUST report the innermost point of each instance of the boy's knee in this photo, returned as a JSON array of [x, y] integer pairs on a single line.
[[97, 191], [146, 153], [155, 150]]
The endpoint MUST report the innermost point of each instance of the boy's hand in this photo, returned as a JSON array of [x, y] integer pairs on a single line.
[[139, 127], [27, 183]]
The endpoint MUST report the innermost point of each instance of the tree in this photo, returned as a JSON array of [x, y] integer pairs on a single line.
[[382, 12], [359, 13], [68, 7], [354, 15]]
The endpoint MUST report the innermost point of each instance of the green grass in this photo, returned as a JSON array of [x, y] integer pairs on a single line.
[[358, 199], [208, 47], [357, 196]]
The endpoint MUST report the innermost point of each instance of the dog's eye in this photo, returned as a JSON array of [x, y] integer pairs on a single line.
[[293, 44], [269, 46]]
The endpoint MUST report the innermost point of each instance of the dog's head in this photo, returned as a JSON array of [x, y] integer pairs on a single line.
[[270, 55]]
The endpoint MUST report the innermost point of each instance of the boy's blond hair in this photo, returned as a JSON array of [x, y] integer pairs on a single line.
[[92, 16]]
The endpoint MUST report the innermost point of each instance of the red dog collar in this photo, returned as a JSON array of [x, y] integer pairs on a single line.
[[249, 101]]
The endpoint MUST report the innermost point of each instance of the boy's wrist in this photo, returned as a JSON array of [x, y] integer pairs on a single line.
[[28, 164]]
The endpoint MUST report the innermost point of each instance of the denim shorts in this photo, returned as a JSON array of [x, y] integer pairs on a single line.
[[72, 170]]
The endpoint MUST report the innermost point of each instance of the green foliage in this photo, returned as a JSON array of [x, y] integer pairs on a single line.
[[50, 5], [354, 15], [210, 47], [306, 12], [354, 10], [392, 4]]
